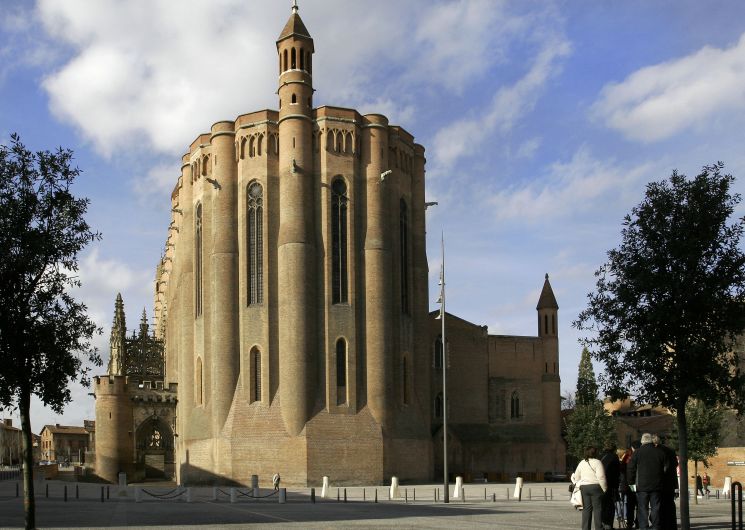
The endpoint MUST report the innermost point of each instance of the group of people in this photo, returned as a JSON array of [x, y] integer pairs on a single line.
[[644, 481]]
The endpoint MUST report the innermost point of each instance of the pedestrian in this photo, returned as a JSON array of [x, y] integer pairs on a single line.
[[668, 517], [627, 494], [699, 485], [612, 468], [590, 478], [275, 480], [706, 481], [646, 471]]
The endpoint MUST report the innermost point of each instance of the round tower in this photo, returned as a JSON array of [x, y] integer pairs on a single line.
[[114, 437], [224, 261], [377, 269], [296, 251], [548, 325]]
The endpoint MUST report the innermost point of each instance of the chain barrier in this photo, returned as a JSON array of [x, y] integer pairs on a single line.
[[275, 492], [166, 496]]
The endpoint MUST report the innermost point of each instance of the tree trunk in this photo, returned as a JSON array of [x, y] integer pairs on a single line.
[[29, 504], [685, 522]]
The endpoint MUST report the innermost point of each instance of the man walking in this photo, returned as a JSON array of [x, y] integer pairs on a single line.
[[647, 472], [668, 517]]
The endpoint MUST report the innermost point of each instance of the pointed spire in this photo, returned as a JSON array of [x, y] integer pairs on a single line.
[[116, 339], [294, 26], [547, 299], [143, 324]]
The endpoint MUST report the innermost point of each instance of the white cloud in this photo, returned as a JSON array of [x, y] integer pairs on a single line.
[[141, 75], [569, 188], [657, 102], [509, 104]]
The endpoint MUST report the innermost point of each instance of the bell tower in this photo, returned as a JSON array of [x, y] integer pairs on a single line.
[[296, 252]]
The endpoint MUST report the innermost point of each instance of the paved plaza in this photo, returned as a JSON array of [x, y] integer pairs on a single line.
[[120, 509]]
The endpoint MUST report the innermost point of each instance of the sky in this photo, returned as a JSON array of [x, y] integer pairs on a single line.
[[542, 123]]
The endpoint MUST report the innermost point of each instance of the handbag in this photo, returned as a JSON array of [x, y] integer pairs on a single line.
[[576, 499], [571, 487]]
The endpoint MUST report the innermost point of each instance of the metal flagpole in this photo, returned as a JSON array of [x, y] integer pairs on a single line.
[[446, 496]]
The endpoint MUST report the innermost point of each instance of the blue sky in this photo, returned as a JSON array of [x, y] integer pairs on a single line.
[[542, 122]]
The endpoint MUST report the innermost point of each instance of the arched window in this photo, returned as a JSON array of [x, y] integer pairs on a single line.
[[199, 386], [329, 140], [339, 237], [260, 144], [515, 411], [545, 324], [341, 371], [437, 363], [285, 65], [252, 147], [309, 63], [348, 143], [256, 373], [255, 242], [293, 59], [553, 324], [339, 147], [302, 59], [243, 147], [438, 405], [404, 251], [198, 261], [405, 380]]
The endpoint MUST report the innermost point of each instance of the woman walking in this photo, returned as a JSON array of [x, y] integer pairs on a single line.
[[590, 478]]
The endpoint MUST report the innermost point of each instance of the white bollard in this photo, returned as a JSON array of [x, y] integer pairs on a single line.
[[282, 495], [232, 494], [188, 495], [458, 487], [138, 495], [727, 487], [394, 488], [518, 488], [325, 489]]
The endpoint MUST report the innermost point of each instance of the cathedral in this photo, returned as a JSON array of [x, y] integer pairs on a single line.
[[292, 328]]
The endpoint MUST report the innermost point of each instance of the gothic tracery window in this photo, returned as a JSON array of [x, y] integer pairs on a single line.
[[198, 256], [515, 410], [404, 252], [255, 242], [339, 238]]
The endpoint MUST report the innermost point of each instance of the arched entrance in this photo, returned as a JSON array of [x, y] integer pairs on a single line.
[[154, 447]]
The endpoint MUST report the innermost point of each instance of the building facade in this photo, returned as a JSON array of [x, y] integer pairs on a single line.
[[64, 443], [292, 304], [11, 443]]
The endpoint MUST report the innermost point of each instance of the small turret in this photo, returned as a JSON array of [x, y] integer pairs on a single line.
[[144, 328], [548, 311], [117, 358]]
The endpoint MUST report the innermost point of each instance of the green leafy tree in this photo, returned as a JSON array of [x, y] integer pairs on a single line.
[[587, 385], [45, 335], [589, 423], [668, 302], [704, 432]]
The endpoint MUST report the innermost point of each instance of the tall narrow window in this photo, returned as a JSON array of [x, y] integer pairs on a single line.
[[553, 324], [341, 371], [302, 59], [199, 390], [438, 353], [256, 355], [404, 240], [515, 411], [293, 59], [285, 65], [545, 324], [339, 236], [198, 261], [438, 406], [405, 380], [255, 242]]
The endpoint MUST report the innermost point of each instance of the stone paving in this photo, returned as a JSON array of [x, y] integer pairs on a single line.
[[119, 510]]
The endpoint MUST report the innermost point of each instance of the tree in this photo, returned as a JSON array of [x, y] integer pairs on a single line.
[[45, 335], [588, 424], [704, 432], [587, 385], [668, 303]]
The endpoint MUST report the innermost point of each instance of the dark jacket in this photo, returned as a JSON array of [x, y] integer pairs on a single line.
[[671, 472], [612, 467], [647, 468]]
